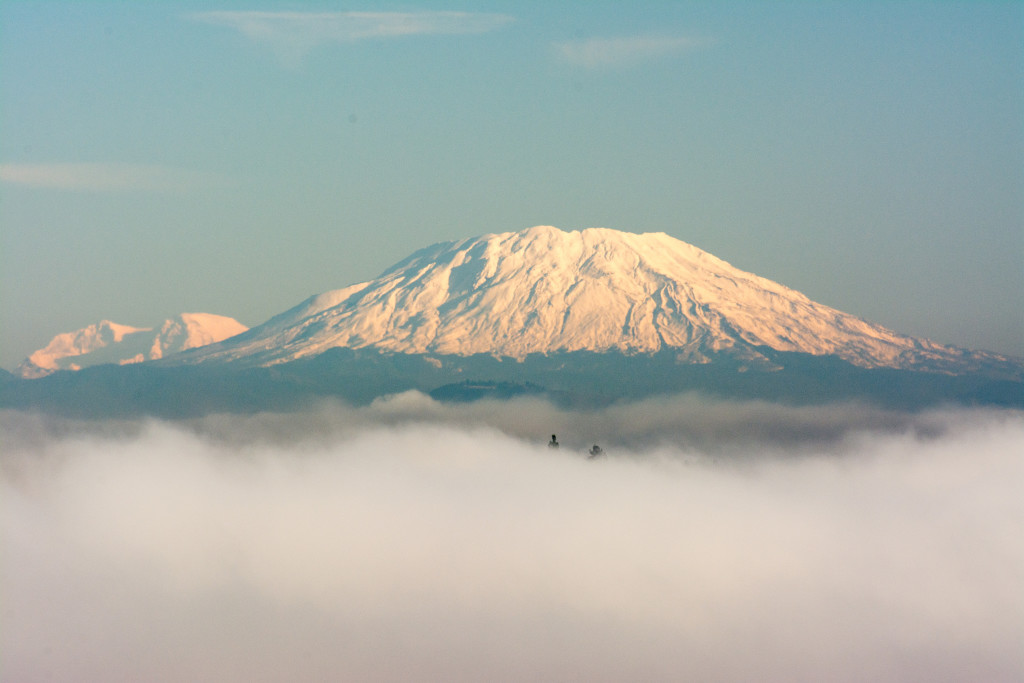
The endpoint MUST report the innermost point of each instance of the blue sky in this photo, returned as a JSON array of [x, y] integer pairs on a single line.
[[234, 158]]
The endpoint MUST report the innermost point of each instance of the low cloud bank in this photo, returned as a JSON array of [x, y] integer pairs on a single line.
[[415, 541]]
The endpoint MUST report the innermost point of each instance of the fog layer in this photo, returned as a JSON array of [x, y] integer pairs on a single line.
[[413, 541]]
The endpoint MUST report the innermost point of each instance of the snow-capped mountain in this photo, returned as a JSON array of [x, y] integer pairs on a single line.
[[108, 342], [543, 290]]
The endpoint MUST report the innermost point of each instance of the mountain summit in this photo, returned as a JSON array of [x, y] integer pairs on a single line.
[[544, 291], [108, 342]]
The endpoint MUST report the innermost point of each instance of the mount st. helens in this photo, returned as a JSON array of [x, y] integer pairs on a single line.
[[586, 318], [543, 291], [108, 342]]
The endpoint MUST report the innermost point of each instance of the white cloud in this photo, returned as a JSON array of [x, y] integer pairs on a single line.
[[107, 177], [293, 34], [626, 51], [385, 551]]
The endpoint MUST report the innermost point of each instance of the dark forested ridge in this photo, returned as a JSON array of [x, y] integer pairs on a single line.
[[582, 379]]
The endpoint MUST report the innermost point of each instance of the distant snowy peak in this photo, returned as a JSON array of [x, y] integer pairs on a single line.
[[192, 330], [543, 290], [65, 350], [108, 342]]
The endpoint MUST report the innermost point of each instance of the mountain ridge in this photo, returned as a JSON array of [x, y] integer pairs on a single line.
[[578, 379]]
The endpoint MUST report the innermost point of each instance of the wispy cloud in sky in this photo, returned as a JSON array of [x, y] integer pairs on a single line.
[[107, 177], [293, 34], [596, 53]]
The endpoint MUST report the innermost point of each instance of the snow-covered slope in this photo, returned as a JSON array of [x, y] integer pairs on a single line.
[[543, 290], [107, 342]]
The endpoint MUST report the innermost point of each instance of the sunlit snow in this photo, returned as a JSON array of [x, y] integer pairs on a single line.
[[544, 290], [107, 342]]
